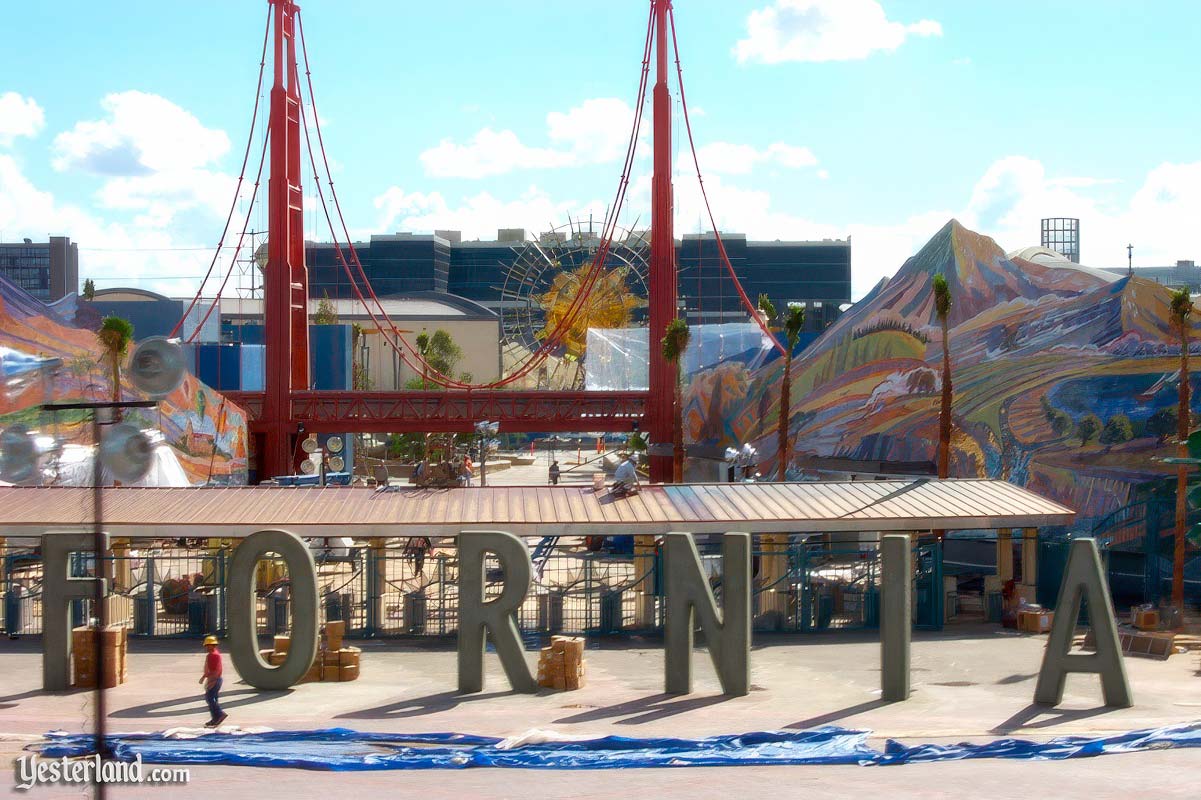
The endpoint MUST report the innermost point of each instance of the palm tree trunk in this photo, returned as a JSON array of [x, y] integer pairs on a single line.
[[677, 433], [785, 406], [116, 364], [1183, 418], [944, 414]]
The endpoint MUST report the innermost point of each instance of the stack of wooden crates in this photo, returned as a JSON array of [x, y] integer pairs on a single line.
[[561, 666], [333, 662], [83, 656]]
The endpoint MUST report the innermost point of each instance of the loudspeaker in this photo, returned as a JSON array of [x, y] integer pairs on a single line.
[[126, 452], [308, 467], [20, 372], [18, 454], [336, 463], [334, 444], [157, 366], [310, 444]]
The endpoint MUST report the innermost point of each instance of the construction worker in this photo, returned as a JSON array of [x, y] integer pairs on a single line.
[[212, 682], [625, 477]]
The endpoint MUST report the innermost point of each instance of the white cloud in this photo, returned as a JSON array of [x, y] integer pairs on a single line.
[[113, 253], [160, 203], [594, 132], [141, 134], [488, 153], [824, 174], [1158, 218], [156, 158], [19, 116], [740, 159], [824, 30], [478, 216], [1081, 182]]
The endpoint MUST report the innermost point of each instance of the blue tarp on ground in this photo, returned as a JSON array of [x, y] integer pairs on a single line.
[[340, 749]]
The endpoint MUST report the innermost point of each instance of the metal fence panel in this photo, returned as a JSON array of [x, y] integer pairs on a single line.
[[397, 591]]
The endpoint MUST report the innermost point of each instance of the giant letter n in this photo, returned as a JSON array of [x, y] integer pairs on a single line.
[[58, 589], [1083, 578], [689, 597], [498, 615]]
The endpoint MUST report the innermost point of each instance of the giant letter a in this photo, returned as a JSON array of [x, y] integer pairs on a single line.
[[1083, 578]]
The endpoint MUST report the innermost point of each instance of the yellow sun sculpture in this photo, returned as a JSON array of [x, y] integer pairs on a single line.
[[610, 305]]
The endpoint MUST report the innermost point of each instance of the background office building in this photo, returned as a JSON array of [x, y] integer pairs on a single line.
[[47, 270], [1184, 274], [816, 274]]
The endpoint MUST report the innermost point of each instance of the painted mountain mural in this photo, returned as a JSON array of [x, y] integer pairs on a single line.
[[1036, 347], [207, 432]]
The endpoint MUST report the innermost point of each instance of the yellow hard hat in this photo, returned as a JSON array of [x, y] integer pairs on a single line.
[[210, 640]]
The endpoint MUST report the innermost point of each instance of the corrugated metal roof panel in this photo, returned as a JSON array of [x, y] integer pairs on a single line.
[[538, 510]]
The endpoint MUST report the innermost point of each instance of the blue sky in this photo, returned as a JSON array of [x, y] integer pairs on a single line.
[[816, 118]]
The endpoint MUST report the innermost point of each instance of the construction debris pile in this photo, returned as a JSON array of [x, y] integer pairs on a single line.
[[561, 666]]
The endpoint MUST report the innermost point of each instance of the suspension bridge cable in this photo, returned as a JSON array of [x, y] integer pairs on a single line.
[[721, 248], [580, 299], [241, 176], [233, 262]]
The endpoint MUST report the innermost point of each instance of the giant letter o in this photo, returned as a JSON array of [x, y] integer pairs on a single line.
[[243, 633]]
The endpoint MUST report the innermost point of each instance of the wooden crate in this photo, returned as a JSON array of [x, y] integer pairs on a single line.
[[83, 656], [333, 633], [1140, 643], [1035, 621], [1145, 620], [561, 666]]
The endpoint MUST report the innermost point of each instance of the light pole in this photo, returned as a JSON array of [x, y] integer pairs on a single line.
[[136, 451], [485, 430]]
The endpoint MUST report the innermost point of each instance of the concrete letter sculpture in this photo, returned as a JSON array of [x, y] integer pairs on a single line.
[[243, 636], [728, 632], [896, 611], [58, 589], [498, 615], [1083, 578]]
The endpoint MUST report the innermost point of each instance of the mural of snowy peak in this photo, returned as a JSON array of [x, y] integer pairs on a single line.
[[1065, 378]]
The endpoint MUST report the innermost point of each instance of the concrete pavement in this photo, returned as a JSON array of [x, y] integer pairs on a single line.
[[970, 683]]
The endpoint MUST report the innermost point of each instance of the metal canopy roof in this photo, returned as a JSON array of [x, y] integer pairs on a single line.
[[899, 505]]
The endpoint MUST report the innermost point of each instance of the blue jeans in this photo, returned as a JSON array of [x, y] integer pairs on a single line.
[[210, 697]]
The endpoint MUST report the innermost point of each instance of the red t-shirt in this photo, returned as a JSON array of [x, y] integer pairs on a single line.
[[212, 664]]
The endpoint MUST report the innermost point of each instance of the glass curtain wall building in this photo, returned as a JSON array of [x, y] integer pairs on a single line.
[[814, 273], [47, 270]]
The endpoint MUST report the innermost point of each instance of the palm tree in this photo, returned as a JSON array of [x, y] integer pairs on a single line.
[[675, 342], [942, 307], [794, 322], [115, 336], [80, 368], [1181, 310], [423, 347]]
